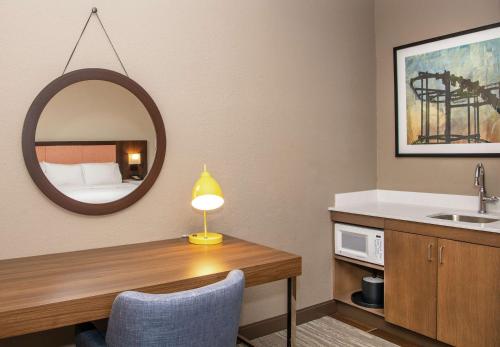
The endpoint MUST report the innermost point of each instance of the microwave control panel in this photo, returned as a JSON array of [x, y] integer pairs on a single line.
[[379, 248]]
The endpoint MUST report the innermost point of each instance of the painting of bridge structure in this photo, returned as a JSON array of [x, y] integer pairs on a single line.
[[448, 94]]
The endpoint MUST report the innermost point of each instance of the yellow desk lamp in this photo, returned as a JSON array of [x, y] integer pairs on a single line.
[[207, 195]]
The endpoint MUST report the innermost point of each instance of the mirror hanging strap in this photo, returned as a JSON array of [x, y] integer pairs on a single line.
[[94, 12]]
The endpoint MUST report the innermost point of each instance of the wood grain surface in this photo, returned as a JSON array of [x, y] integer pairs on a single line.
[[357, 219], [459, 234], [452, 233], [410, 281], [44, 292], [468, 294]]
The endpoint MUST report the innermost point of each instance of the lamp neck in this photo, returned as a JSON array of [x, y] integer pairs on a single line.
[[205, 222]]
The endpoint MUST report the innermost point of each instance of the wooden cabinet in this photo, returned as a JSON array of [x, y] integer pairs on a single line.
[[442, 282], [468, 309], [443, 289], [410, 281]]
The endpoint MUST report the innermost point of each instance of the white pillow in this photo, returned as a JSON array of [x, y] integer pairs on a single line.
[[42, 166], [64, 174], [101, 173]]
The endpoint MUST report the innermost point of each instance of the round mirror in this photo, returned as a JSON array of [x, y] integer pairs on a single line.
[[94, 141]]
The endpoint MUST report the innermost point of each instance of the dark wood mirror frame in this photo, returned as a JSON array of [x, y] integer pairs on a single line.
[[29, 132]]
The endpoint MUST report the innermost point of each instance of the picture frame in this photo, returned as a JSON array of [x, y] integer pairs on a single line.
[[447, 95]]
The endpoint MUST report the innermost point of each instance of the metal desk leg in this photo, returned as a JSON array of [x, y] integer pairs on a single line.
[[291, 321]]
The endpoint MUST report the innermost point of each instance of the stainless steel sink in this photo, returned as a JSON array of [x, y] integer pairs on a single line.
[[462, 218]]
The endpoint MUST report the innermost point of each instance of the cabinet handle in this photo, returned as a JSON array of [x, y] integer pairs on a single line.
[[441, 254], [429, 252]]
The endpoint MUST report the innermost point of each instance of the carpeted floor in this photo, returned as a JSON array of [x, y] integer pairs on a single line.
[[324, 332]]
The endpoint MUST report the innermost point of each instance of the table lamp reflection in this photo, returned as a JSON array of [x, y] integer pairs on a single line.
[[134, 160]]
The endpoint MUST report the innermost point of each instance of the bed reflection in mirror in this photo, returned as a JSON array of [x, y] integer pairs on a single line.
[[95, 141]]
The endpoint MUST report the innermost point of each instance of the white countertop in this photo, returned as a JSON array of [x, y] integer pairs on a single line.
[[417, 207]]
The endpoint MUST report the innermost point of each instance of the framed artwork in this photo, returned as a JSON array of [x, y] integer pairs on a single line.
[[447, 94]]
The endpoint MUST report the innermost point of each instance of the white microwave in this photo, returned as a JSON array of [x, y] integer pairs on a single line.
[[360, 243]]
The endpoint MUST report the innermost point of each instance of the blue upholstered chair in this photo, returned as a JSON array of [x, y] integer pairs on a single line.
[[207, 316]]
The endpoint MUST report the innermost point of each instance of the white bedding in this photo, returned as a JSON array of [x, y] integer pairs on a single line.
[[97, 194]]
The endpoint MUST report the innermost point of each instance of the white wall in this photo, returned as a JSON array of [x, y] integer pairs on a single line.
[[277, 97], [399, 22]]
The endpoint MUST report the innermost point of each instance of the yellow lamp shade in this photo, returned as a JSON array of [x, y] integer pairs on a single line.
[[134, 158], [207, 193]]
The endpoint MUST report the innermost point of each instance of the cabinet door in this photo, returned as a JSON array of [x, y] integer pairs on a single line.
[[468, 294], [410, 281]]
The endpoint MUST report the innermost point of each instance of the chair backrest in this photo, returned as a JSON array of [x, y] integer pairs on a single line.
[[207, 316]]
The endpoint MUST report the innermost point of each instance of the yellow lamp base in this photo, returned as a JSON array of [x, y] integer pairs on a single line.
[[210, 239]]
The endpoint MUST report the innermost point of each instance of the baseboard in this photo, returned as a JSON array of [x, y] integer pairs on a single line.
[[379, 323], [274, 324]]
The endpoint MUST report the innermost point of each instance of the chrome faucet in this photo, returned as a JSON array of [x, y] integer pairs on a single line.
[[479, 182]]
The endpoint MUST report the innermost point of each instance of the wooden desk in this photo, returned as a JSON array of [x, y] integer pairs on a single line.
[[49, 291]]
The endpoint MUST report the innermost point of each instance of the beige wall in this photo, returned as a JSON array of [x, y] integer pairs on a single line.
[[399, 22], [96, 111], [277, 97]]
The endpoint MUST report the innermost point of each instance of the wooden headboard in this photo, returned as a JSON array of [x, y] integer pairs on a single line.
[[75, 152]]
